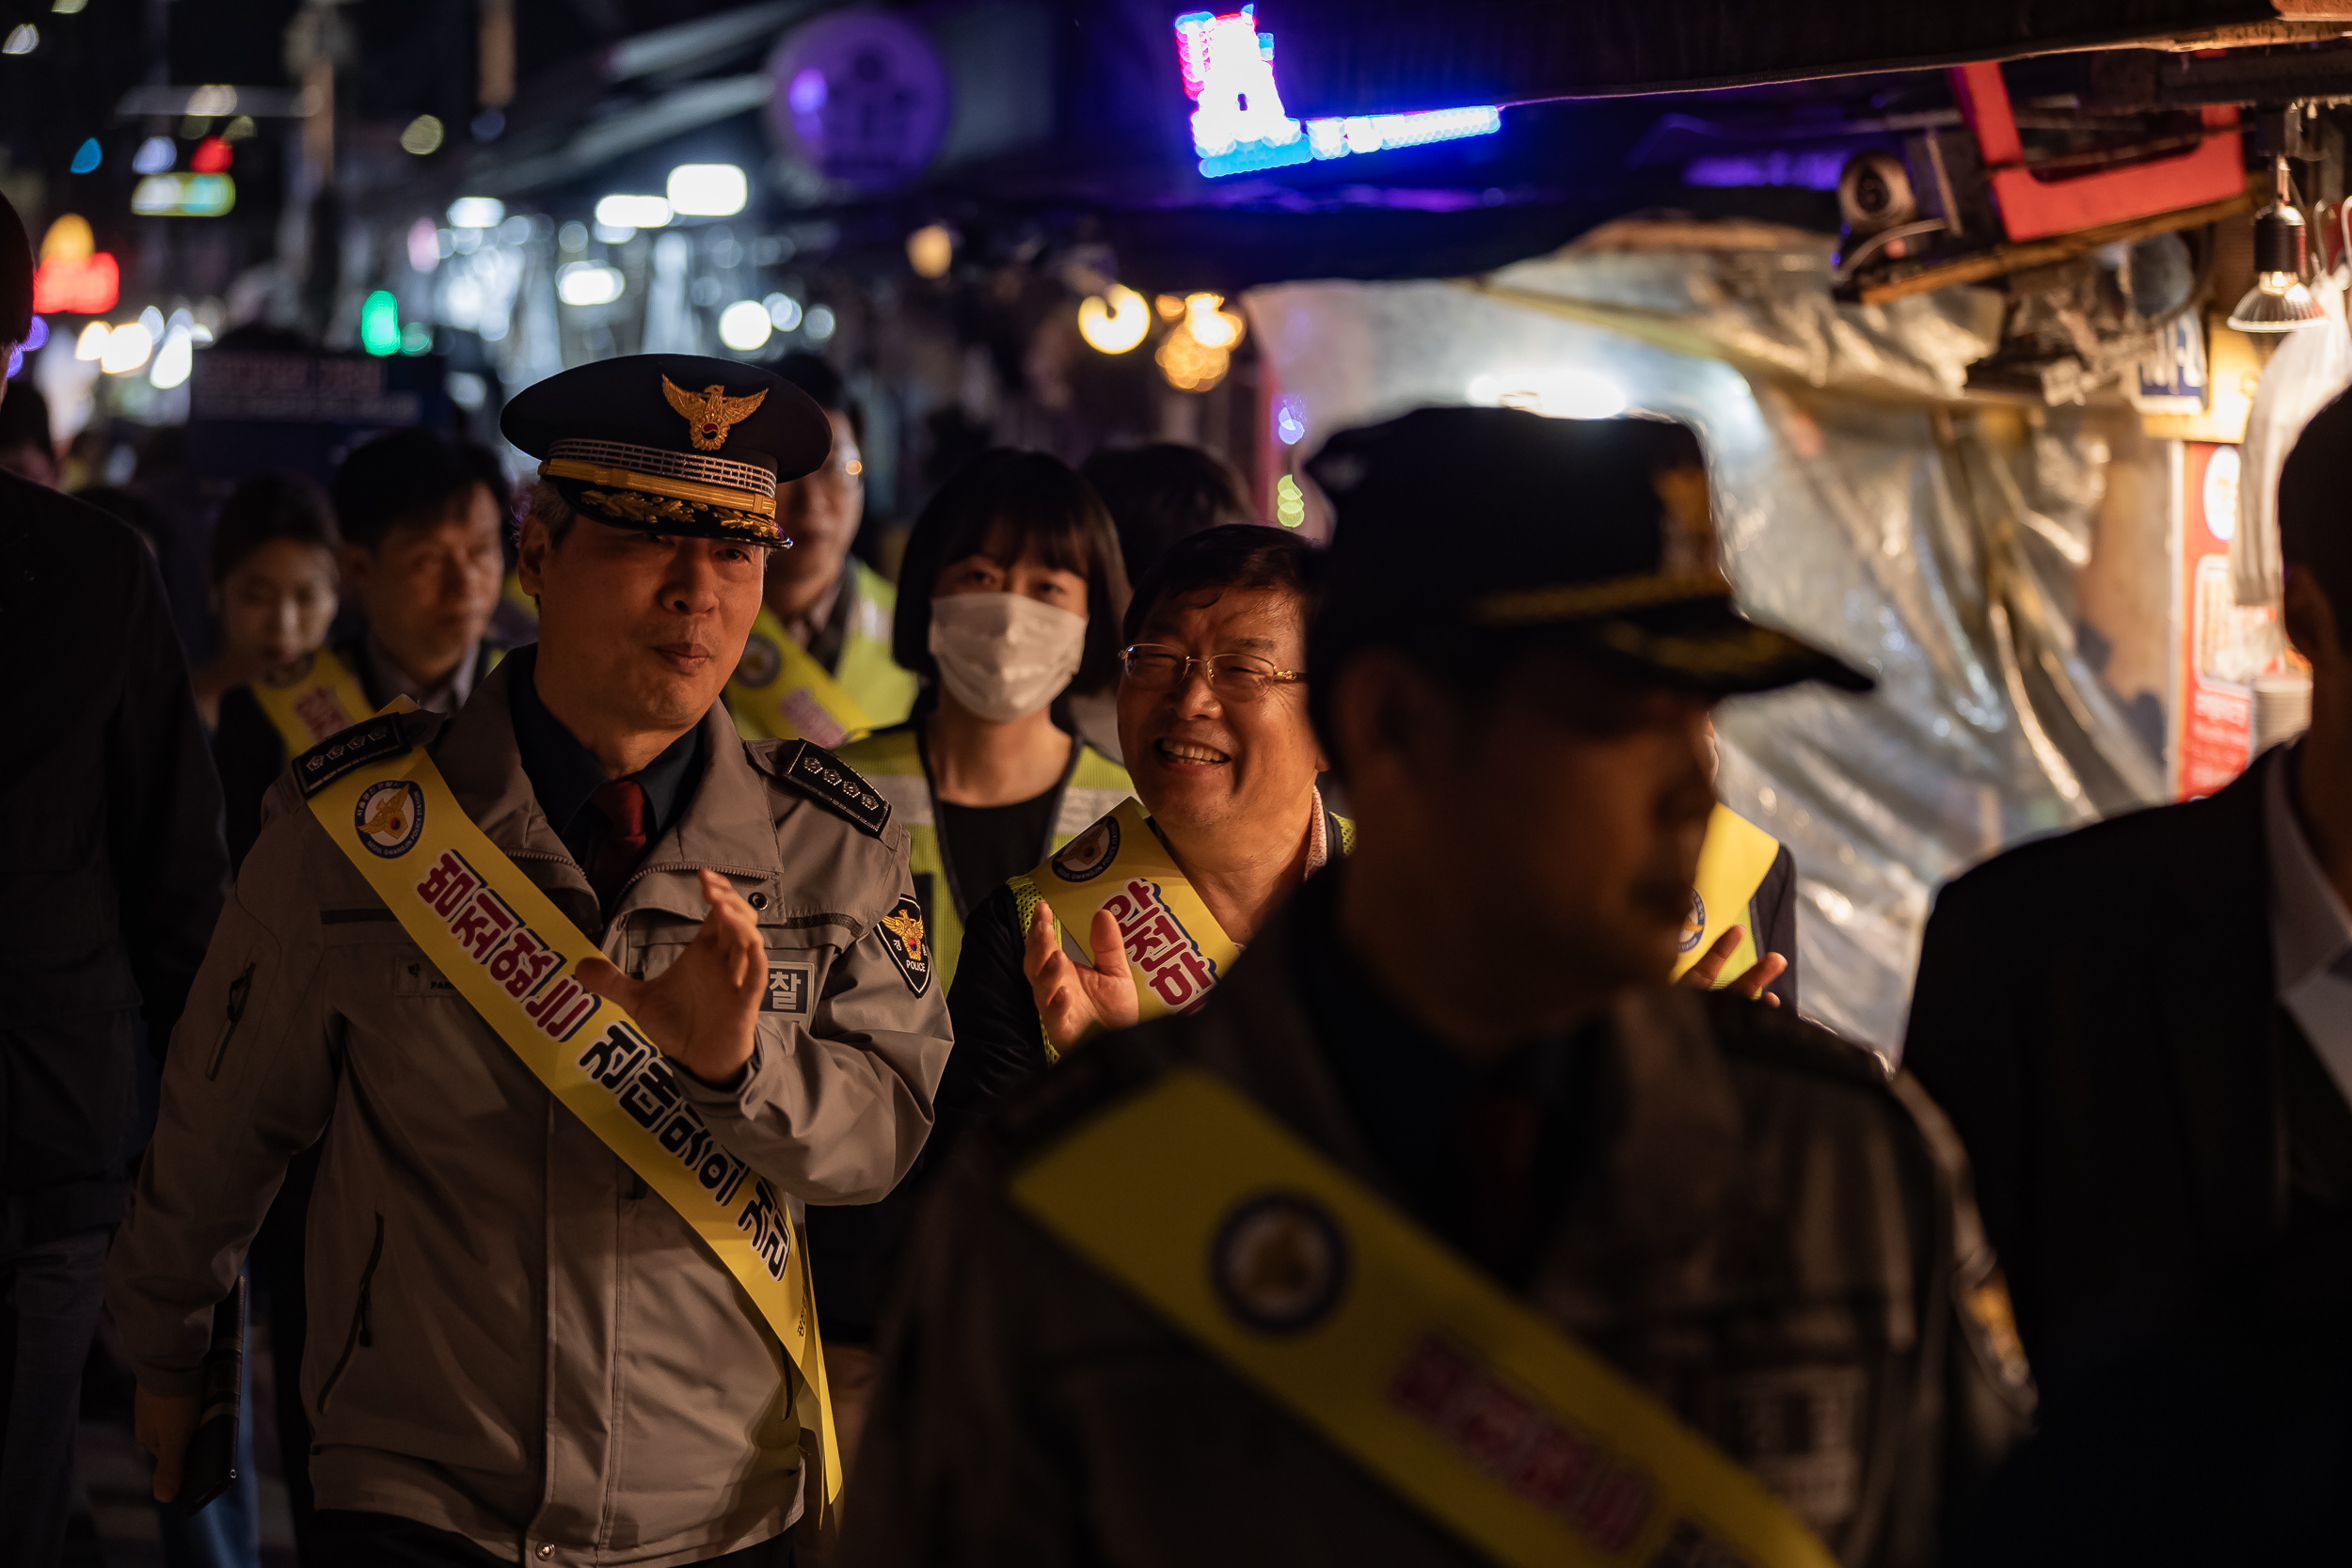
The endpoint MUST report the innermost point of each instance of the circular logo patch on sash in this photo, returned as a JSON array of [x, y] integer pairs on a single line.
[[1090, 854], [293, 674], [1280, 1262], [1695, 925], [389, 816], [762, 659]]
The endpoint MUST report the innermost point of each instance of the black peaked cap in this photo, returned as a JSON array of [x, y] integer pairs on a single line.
[[1499, 519]]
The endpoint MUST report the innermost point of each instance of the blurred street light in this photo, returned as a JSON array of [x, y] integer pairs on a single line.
[[1114, 321], [127, 348], [155, 155], [476, 211], [586, 283], [932, 250], [744, 325], [707, 190], [633, 211], [423, 136], [23, 39]]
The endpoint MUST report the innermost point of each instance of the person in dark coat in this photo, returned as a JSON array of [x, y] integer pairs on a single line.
[[2142, 1032], [111, 877]]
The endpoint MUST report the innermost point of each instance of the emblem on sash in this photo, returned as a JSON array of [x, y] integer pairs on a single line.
[[1090, 854], [293, 674], [760, 662], [389, 816], [909, 948], [1279, 1262], [1693, 924]]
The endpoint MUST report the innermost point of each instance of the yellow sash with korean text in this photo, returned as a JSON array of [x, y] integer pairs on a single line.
[[311, 699], [782, 690], [1732, 866], [507, 949], [1176, 950], [1441, 1385]]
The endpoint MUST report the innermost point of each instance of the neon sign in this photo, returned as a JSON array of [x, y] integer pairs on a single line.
[[1238, 123]]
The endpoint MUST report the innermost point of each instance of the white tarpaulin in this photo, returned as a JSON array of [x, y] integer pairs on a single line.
[[1860, 501]]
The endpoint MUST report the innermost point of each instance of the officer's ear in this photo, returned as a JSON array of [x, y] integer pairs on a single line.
[[534, 544], [1389, 716]]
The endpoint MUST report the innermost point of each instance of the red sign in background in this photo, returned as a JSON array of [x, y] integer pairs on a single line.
[[2224, 646]]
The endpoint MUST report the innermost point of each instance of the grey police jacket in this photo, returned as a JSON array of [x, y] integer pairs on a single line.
[[1768, 1235], [510, 1336]]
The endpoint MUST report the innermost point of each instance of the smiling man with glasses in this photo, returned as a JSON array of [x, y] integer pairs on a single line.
[[1142, 913]]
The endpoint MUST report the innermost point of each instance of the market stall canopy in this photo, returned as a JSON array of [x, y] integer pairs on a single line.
[[1384, 57]]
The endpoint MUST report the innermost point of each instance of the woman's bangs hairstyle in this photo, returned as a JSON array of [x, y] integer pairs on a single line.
[[1011, 505]]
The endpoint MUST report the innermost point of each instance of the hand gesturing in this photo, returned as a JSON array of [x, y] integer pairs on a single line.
[[1075, 1000], [1702, 975], [700, 1010]]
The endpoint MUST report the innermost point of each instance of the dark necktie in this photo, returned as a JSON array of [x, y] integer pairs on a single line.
[[623, 803]]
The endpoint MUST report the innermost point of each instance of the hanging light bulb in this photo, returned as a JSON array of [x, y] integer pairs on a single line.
[[2279, 302]]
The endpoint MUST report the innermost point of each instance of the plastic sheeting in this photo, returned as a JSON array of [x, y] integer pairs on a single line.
[[2309, 368], [1933, 543]]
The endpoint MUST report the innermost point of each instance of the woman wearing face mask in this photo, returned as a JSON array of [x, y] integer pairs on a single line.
[[1010, 592], [275, 587]]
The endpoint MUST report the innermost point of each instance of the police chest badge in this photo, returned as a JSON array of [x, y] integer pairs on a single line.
[[389, 816], [1279, 1262], [909, 945]]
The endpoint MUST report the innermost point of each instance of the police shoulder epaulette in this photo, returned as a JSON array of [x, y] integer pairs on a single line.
[[370, 740], [834, 785]]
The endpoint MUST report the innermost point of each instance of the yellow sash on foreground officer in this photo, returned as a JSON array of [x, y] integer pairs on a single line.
[[1446, 1230], [586, 997]]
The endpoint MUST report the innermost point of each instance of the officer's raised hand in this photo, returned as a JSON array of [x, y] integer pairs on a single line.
[[700, 1010], [1075, 1000], [1750, 985]]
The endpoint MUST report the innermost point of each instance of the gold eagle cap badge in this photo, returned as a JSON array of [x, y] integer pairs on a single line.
[[711, 414]]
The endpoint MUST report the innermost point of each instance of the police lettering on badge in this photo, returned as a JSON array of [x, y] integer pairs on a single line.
[[788, 989], [909, 946]]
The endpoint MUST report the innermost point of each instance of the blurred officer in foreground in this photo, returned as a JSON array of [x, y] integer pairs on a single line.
[[817, 663], [111, 868], [420, 558], [2143, 1034], [574, 1085], [1446, 1230]]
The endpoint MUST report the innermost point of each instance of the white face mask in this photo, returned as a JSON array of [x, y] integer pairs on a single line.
[[1004, 655]]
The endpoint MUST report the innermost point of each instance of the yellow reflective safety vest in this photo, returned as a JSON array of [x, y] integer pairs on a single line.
[[893, 762], [780, 691], [1732, 865]]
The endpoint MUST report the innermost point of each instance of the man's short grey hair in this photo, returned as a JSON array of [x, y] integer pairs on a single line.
[[549, 505]]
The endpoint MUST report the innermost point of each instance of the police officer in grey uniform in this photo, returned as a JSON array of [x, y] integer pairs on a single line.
[[1468, 1021], [517, 1349]]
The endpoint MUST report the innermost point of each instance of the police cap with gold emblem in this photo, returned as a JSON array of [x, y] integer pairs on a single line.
[[672, 443], [1497, 520]]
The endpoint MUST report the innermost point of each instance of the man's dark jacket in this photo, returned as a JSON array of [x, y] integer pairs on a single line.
[[2098, 1016], [111, 860]]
